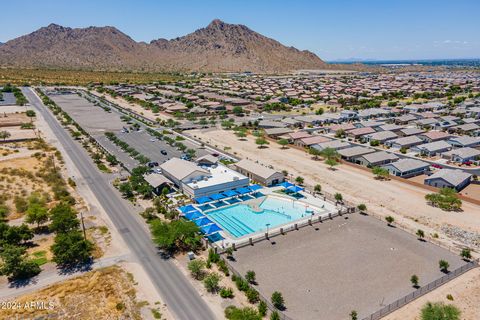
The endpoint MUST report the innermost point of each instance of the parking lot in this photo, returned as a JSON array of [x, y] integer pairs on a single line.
[[96, 121], [353, 263], [8, 99]]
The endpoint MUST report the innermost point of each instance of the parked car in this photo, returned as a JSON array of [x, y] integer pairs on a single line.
[[164, 152], [437, 166], [152, 164]]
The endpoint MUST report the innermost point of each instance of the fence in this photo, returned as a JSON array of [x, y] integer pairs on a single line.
[[421, 291]]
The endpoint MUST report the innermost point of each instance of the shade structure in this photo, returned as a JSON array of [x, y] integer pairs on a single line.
[[243, 190], [203, 200], [211, 228], [230, 193], [255, 187], [295, 188], [214, 237], [187, 208], [217, 196], [286, 184], [202, 221], [193, 215]]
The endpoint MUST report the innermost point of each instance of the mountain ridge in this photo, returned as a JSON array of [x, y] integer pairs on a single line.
[[218, 47]]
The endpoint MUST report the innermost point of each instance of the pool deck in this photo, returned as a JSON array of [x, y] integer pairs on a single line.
[[319, 206]]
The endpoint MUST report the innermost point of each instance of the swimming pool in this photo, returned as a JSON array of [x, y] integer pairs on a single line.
[[241, 219]]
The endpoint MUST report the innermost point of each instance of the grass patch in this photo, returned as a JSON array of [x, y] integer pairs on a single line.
[[40, 257]]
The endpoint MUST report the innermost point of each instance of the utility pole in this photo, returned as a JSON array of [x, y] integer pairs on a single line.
[[83, 226]]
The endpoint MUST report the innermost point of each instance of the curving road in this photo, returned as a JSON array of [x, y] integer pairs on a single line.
[[181, 298]]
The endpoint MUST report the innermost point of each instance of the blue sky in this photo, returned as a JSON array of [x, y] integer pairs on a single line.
[[340, 29]]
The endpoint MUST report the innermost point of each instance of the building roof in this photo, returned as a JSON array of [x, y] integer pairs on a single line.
[[255, 168], [354, 151], [156, 179], [465, 140], [434, 146], [180, 169], [382, 135], [335, 144], [466, 152], [411, 131], [404, 165], [379, 156], [277, 131], [361, 131], [435, 135], [207, 158], [299, 135], [314, 140], [452, 176], [405, 141]]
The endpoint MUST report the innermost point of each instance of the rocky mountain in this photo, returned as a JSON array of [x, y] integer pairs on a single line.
[[219, 47]]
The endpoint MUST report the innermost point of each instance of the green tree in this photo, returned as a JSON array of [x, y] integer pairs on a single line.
[[278, 301], [443, 265], [389, 220], [63, 218], [317, 188], [414, 280], [466, 253], [211, 282], [237, 110], [362, 207], [439, 311], [299, 180], [353, 315], [340, 133], [338, 197], [262, 308], [30, 113], [380, 173], [446, 199], [275, 316], [250, 276], [5, 135], [315, 153], [36, 213], [247, 313], [197, 268], [175, 235], [252, 295], [420, 234], [71, 249], [15, 263], [261, 142], [283, 143]]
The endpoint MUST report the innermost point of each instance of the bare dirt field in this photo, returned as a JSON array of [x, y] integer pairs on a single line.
[[13, 119], [404, 202], [102, 294], [464, 290], [350, 263]]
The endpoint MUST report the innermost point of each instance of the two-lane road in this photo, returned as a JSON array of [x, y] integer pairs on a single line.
[[181, 298]]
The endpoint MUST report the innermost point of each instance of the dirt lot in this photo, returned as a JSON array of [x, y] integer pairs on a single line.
[[466, 296], [405, 202], [102, 294], [357, 263], [13, 119]]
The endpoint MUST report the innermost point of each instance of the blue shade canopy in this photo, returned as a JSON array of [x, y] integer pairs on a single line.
[[187, 208], [230, 193], [295, 188], [202, 221], [286, 184], [203, 200], [217, 196], [255, 187], [209, 229], [193, 215], [243, 190], [214, 237]]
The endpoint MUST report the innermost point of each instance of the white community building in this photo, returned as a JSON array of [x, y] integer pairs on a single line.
[[202, 181]]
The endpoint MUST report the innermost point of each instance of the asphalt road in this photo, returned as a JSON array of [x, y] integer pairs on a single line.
[[181, 298]]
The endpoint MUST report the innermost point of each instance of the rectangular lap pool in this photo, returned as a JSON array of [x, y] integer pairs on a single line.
[[242, 219]]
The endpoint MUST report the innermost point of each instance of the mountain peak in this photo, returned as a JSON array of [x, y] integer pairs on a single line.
[[218, 47]]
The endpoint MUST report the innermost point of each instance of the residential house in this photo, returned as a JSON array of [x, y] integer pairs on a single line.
[[258, 173], [449, 178], [377, 158], [407, 168]]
